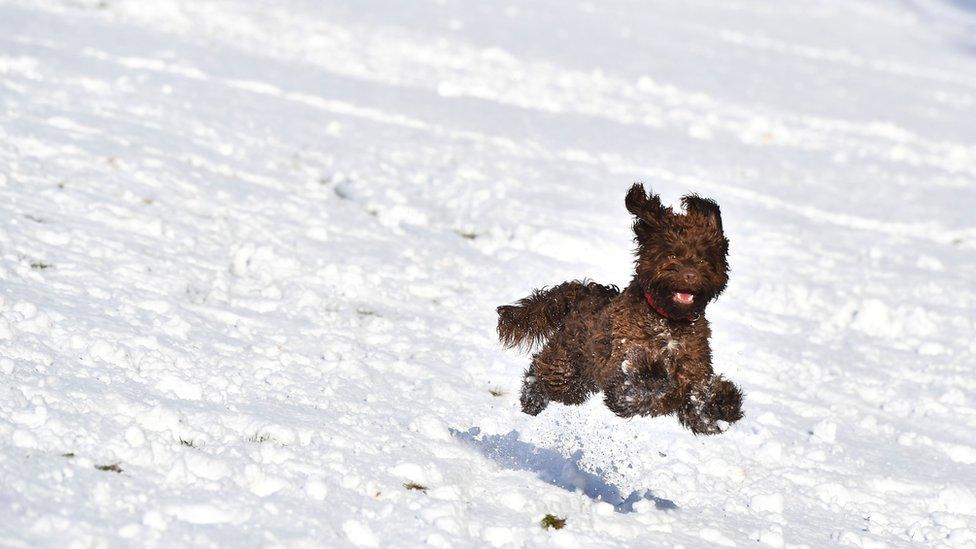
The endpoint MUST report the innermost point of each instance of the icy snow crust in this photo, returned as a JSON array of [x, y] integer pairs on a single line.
[[251, 252]]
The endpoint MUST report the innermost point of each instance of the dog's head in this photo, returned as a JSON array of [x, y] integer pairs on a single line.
[[681, 257]]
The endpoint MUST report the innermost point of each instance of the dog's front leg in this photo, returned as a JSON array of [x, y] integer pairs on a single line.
[[640, 387]]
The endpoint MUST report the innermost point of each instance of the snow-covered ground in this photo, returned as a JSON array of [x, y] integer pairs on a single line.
[[251, 253]]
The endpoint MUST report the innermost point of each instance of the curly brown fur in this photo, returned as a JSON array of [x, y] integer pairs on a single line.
[[531, 320], [647, 347]]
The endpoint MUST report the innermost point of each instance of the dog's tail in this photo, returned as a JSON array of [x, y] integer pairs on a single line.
[[533, 320]]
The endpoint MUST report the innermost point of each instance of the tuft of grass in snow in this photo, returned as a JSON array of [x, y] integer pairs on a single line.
[[40, 265], [552, 521], [467, 235], [496, 391], [189, 443], [112, 467], [415, 486], [259, 438], [68, 455]]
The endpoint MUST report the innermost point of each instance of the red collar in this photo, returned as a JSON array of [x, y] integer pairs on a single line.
[[660, 310]]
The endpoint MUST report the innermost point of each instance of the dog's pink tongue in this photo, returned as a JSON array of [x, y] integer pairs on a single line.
[[684, 299]]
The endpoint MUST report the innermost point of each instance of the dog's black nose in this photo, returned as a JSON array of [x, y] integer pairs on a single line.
[[690, 276]]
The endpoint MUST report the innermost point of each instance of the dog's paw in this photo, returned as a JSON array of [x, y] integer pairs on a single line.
[[712, 407], [533, 401], [533, 407], [639, 388]]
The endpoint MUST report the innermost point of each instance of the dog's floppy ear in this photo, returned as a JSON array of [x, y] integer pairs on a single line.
[[648, 210], [704, 208], [645, 206]]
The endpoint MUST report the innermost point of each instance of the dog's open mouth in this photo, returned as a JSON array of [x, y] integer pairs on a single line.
[[683, 298]]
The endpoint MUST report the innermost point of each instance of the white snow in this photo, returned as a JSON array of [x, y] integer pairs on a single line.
[[250, 253]]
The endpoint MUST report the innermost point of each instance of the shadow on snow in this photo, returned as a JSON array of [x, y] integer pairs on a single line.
[[552, 467]]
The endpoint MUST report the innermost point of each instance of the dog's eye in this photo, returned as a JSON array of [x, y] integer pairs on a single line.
[[672, 256]]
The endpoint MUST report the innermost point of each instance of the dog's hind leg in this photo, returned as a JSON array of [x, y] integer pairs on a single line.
[[557, 375], [533, 399]]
